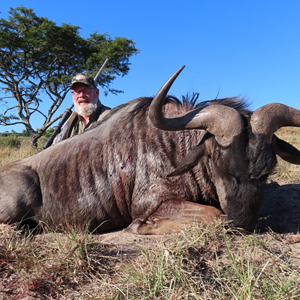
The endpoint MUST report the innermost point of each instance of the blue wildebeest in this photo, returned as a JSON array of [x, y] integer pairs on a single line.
[[151, 166]]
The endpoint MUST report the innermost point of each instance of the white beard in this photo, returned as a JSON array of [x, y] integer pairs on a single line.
[[86, 110]]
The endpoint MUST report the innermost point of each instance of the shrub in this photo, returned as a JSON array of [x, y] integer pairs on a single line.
[[10, 141]]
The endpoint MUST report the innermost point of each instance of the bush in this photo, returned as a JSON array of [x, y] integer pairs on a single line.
[[24, 133], [48, 132], [10, 141]]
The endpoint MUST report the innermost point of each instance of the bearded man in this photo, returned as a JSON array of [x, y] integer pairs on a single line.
[[88, 108]]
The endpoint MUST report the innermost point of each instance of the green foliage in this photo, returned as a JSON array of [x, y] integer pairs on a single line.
[[48, 132], [39, 57], [24, 133]]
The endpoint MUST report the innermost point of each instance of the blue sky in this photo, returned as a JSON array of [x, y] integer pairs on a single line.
[[229, 48]]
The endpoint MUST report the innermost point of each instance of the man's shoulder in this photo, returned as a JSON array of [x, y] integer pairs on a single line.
[[105, 108], [103, 112]]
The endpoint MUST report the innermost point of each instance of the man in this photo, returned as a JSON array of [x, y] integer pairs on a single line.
[[88, 108]]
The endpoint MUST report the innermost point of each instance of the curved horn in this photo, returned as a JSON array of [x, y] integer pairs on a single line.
[[269, 118], [286, 151], [221, 121], [155, 111]]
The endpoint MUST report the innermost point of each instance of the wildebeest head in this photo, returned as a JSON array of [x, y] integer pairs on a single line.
[[239, 150]]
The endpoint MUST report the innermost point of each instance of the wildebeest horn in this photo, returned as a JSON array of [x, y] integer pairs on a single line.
[[269, 118], [221, 121], [155, 112], [286, 151]]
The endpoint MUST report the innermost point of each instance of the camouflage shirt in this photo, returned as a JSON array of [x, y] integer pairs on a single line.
[[74, 125]]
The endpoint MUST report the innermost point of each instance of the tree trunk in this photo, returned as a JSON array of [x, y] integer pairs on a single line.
[[34, 139]]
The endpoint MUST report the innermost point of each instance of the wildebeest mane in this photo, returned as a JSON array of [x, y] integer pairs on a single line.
[[187, 102], [192, 102]]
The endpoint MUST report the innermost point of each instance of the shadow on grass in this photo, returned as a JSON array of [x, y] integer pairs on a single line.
[[280, 209]]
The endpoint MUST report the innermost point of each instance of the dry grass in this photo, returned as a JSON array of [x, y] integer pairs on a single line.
[[14, 148], [205, 262], [48, 265], [212, 262]]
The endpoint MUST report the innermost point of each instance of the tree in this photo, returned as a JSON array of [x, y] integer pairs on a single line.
[[38, 57]]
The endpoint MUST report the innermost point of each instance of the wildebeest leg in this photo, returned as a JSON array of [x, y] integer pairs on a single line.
[[171, 216]]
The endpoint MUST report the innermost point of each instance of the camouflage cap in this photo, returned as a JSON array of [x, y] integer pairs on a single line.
[[85, 79]]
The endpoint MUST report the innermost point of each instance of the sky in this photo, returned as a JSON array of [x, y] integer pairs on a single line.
[[230, 48]]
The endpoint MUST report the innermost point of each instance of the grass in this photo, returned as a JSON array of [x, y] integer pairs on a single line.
[[213, 263], [14, 148], [206, 261]]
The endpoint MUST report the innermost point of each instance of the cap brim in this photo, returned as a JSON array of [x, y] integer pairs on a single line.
[[72, 85]]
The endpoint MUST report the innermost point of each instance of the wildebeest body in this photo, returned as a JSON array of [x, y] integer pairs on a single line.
[[105, 175], [117, 173]]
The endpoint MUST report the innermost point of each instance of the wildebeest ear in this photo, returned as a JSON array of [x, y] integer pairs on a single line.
[[192, 158], [286, 151]]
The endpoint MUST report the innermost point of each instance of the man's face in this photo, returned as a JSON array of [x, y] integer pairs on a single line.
[[85, 99]]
